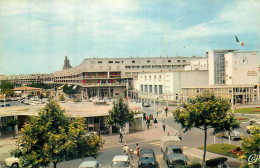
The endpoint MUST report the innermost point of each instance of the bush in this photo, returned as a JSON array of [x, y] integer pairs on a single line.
[[193, 165], [76, 100], [100, 103], [216, 161]]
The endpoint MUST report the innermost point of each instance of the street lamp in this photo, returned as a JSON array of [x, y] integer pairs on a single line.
[[4, 99]]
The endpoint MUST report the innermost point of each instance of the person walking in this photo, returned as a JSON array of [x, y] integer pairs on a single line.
[[155, 122], [166, 111], [137, 151], [157, 111], [163, 126], [163, 111], [131, 154], [126, 150], [148, 123]]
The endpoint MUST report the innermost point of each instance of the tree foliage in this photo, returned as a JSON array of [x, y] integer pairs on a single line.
[[53, 137], [251, 147], [69, 89], [206, 111], [41, 85], [119, 114], [12, 123], [61, 97], [6, 88]]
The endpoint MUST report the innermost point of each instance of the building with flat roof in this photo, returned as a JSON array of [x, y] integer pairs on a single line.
[[27, 78], [228, 73]]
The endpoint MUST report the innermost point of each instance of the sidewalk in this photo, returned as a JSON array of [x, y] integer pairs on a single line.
[[209, 155], [153, 134]]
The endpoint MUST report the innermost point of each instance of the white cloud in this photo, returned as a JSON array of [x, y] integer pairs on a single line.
[[238, 17]]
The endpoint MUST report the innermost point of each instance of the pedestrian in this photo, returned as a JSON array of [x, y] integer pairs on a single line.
[[126, 150], [148, 123], [131, 154], [137, 151], [147, 118], [163, 126], [166, 111], [163, 111], [155, 122], [157, 111]]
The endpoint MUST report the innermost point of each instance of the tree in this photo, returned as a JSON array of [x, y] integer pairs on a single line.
[[251, 147], [12, 123], [53, 137], [61, 97], [6, 88], [205, 111], [120, 114]]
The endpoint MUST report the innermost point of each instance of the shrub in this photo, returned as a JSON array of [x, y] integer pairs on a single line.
[[193, 165], [100, 103], [216, 161]]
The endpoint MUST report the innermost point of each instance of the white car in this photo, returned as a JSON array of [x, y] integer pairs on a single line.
[[12, 162], [90, 164], [121, 161], [233, 134]]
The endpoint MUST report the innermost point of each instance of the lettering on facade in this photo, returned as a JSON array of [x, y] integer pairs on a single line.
[[251, 73], [253, 158]]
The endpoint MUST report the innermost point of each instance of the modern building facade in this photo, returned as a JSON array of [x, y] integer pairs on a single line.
[[228, 73], [28, 78], [110, 77]]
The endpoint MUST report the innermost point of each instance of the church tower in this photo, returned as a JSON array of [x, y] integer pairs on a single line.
[[66, 63]]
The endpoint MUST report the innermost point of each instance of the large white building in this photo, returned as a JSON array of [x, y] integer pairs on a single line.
[[224, 72]]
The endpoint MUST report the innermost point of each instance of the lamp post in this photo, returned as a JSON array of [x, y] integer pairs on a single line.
[[4, 99]]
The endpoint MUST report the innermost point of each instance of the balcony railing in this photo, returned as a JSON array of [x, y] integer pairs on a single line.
[[104, 84], [99, 77]]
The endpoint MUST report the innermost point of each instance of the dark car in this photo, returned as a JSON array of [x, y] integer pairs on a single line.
[[174, 156], [147, 158], [146, 104]]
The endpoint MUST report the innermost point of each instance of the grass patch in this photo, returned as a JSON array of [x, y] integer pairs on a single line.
[[250, 110], [221, 149], [25, 109]]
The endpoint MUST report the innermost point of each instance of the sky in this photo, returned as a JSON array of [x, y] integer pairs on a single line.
[[36, 35]]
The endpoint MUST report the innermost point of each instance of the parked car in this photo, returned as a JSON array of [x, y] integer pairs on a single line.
[[90, 164], [233, 134], [121, 161], [12, 162], [252, 121], [174, 156], [146, 104], [147, 158]]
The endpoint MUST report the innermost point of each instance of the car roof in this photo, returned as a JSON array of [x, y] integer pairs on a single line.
[[119, 158], [174, 147], [88, 164]]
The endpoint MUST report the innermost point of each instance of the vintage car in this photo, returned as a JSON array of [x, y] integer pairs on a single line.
[[121, 161], [174, 156], [233, 134], [90, 164], [147, 158], [12, 162]]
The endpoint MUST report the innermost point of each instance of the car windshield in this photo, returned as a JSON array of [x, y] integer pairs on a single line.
[[119, 164], [174, 151], [147, 155]]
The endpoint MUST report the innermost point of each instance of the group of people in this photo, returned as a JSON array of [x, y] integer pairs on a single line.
[[164, 111], [148, 121], [129, 152]]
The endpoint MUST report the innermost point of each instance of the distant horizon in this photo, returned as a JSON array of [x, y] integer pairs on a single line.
[[35, 36]]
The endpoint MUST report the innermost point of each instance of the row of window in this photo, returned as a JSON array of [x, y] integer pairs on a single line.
[[150, 77], [155, 66], [133, 61], [152, 89]]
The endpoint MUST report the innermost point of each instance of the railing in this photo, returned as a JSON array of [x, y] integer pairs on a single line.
[[97, 77], [104, 84]]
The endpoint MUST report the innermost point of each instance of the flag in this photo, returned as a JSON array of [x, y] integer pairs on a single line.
[[237, 40]]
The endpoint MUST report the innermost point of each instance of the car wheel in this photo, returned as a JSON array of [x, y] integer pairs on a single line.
[[15, 165], [248, 131]]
